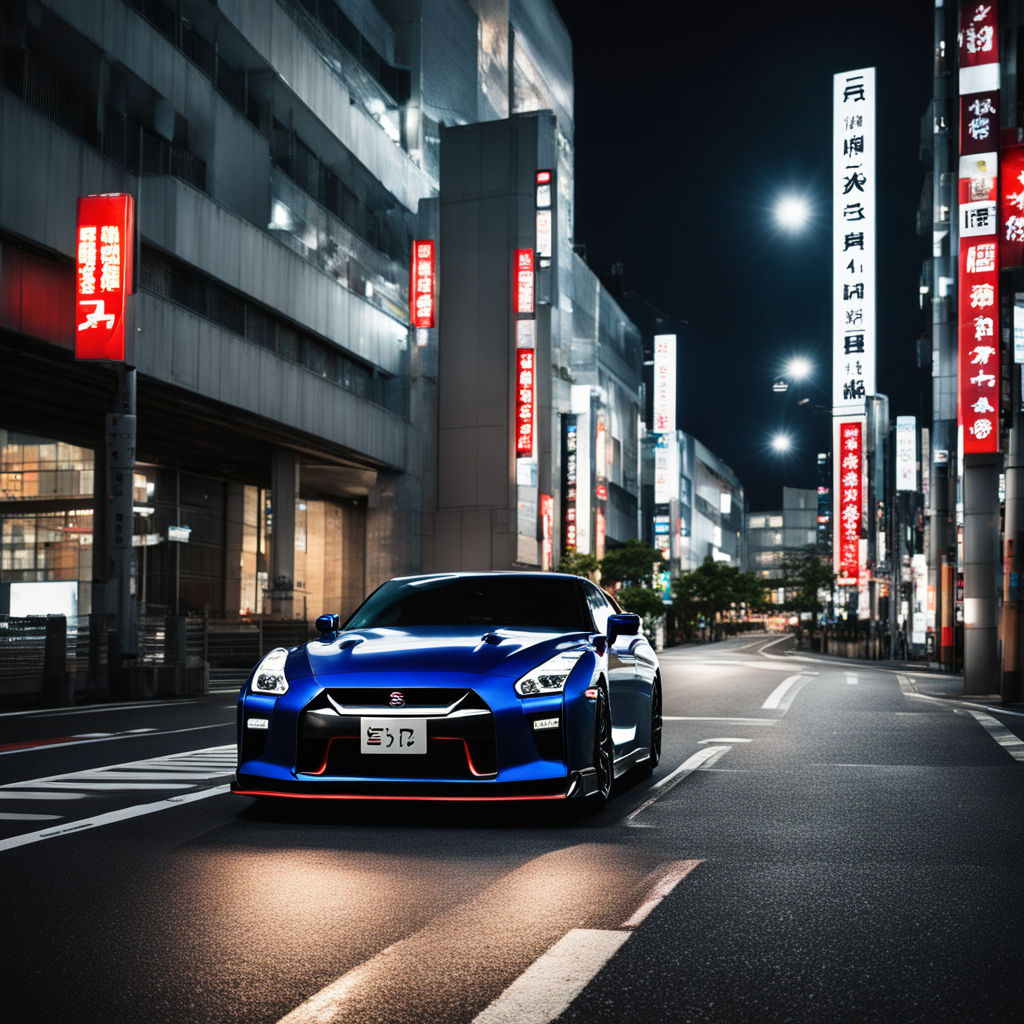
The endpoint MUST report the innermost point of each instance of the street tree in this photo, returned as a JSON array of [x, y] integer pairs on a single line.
[[807, 575], [631, 563], [712, 589], [645, 602], [578, 563]]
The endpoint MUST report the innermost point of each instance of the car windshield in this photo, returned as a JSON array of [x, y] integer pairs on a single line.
[[530, 601]]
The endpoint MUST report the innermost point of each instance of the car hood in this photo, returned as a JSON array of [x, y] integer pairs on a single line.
[[504, 652]]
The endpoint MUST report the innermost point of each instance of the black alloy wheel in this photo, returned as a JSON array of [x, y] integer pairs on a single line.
[[604, 751], [655, 748]]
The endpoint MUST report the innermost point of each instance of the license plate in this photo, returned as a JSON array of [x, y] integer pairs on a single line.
[[393, 736]]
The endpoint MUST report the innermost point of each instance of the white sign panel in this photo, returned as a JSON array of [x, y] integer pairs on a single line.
[[906, 453], [853, 238], [664, 384]]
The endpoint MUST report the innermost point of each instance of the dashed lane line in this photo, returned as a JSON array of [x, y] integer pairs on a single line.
[[186, 771], [701, 759], [113, 816], [782, 696], [537, 996], [133, 734], [1011, 743]]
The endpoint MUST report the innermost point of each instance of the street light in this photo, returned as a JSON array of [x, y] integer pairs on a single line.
[[799, 368], [781, 443], [792, 213]]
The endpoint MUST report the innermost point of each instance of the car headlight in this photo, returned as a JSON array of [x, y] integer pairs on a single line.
[[549, 677], [269, 677]]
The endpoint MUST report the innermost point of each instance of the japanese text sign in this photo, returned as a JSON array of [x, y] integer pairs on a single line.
[[103, 274], [421, 285], [1011, 207], [522, 291], [853, 238], [980, 222], [849, 499], [906, 453], [979, 344], [569, 480], [664, 383], [525, 391]]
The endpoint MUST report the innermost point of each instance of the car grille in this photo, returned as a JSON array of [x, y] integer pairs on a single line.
[[460, 735]]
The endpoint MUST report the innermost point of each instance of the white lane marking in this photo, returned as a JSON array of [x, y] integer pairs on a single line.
[[94, 709], [726, 739], [1003, 711], [135, 734], [702, 758], [106, 787], [547, 987], [108, 819], [555, 979], [782, 696], [852, 679], [734, 721], [32, 794], [1012, 744], [676, 873], [11, 816]]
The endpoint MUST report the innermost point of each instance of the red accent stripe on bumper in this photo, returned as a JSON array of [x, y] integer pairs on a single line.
[[382, 796]]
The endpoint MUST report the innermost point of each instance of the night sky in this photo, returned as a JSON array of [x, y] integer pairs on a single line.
[[691, 119]]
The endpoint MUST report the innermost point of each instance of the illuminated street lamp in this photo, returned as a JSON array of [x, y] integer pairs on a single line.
[[799, 368], [792, 213], [781, 443]]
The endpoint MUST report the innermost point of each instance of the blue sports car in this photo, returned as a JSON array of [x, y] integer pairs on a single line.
[[457, 686]]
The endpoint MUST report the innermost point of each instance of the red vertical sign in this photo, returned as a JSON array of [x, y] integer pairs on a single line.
[[547, 522], [525, 392], [980, 222], [1011, 207], [522, 291], [421, 285], [979, 344], [849, 500], [103, 274]]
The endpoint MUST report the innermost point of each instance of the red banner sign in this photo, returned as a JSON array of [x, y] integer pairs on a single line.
[[849, 500], [979, 343], [1011, 207], [103, 274], [522, 292], [421, 285], [547, 523], [525, 391], [979, 34]]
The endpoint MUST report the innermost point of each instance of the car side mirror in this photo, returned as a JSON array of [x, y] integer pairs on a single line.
[[626, 624], [327, 626]]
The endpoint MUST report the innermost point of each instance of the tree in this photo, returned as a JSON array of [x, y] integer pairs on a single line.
[[642, 601], [712, 589], [805, 574], [633, 562], [578, 563]]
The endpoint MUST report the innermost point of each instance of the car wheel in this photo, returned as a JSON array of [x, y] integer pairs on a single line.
[[654, 755], [604, 752]]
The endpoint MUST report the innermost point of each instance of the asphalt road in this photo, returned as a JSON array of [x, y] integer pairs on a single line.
[[823, 841]]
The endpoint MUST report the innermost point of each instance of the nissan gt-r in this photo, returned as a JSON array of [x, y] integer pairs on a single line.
[[457, 686]]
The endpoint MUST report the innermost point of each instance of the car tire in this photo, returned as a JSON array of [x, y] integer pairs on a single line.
[[654, 750], [604, 753]]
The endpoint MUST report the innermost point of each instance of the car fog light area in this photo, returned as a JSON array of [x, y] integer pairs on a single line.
[[269, 676], [549, 677], [545, 723], [258, 723]]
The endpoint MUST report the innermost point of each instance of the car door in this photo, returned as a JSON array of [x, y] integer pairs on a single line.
[[622, 679]]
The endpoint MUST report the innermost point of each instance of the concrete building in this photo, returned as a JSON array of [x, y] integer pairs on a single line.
[[572, 482], [699, 507], [283, 156], [772, 537]]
